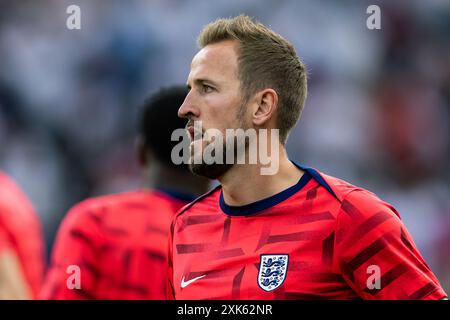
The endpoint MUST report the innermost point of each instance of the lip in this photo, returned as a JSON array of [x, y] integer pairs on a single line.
[[194, 134], [191, 132]]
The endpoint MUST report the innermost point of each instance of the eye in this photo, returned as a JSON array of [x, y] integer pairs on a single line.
[[206, 88]]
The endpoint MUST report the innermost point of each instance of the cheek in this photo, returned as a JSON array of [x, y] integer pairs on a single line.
[[221, 112]]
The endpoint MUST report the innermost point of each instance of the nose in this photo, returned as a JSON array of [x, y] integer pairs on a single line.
[[188, 109]]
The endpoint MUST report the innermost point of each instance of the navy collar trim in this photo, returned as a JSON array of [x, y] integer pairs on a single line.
[[316, 176], [255, 207], [252, 208]]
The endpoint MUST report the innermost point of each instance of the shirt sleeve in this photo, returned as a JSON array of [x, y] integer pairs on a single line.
[[73, 272], [376, 254]]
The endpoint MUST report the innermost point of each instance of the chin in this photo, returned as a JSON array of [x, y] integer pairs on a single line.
[[211, 171]]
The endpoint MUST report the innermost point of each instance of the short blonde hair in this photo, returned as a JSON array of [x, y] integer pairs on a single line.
[[266, 60]]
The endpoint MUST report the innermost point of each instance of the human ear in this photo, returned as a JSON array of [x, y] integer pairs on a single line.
[[266, 105]]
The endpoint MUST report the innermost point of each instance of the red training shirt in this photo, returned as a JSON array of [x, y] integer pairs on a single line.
[[322, 238], [119, 242]]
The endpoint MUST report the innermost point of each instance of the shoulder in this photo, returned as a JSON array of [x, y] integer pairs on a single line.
[[14, 203], [9, 188], [5, 180], [355, 207], [355, 200], [91, 211], [363, 203], [338, 187], [364, 220]]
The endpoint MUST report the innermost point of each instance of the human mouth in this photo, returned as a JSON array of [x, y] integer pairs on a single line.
[[194, 133], [191, 132]]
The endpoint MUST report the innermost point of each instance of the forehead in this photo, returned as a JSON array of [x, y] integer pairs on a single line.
[[216, 62]]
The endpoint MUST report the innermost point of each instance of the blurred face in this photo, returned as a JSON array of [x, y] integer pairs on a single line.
[[214, 99]]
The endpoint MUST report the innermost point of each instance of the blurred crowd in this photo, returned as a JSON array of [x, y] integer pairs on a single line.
[[377, 113]]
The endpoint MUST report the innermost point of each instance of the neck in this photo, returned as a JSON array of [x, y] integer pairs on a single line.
[[244, 184], [160, 177]]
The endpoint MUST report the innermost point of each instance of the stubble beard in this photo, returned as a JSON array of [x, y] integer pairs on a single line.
[[216, 170]]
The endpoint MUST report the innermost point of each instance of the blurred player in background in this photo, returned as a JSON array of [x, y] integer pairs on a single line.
[[21, 244], [296, 234], [119, 242]]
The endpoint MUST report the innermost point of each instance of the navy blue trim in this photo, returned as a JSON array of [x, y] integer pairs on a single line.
[[263, 204], [186, 197], [316, 176], [266, 203]]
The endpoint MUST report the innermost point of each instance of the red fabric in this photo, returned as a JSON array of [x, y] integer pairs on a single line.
[[332, 244], [20, 231], [118, 242]]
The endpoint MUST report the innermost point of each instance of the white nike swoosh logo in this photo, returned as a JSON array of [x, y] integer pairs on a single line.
[[185, 284]]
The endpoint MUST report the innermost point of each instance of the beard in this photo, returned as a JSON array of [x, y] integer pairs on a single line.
[[229, 144], [211, 171]]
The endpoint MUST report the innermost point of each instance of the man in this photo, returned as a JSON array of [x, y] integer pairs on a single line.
[[115, 246], [21, 244], [294, 234]]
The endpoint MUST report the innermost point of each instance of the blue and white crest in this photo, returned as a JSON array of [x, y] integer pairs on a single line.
[[272, 271]]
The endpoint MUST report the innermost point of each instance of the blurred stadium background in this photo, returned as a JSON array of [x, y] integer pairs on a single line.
[[377, 114]]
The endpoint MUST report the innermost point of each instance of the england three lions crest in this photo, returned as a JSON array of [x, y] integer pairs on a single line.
[[272, 271]]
